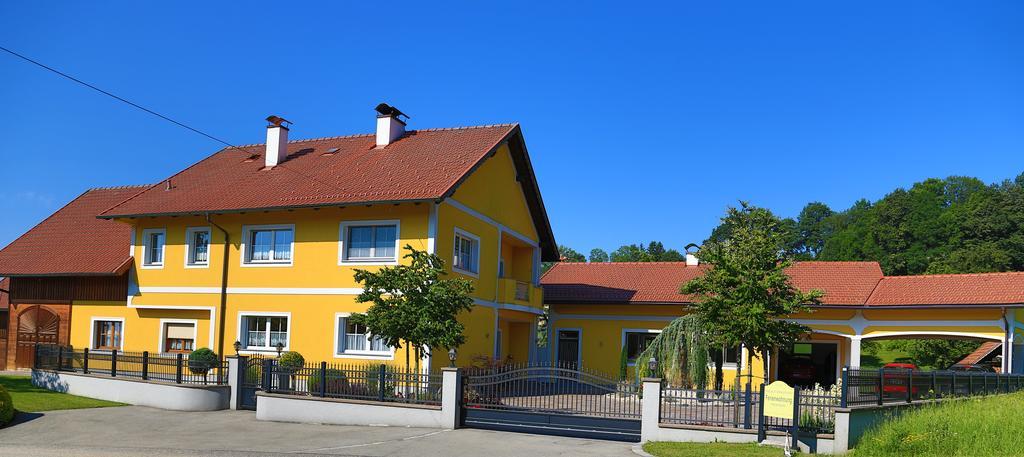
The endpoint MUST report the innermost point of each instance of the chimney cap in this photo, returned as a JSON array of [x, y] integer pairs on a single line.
[[278, 121], [387, 110]]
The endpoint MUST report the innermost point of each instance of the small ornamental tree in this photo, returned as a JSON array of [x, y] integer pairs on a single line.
[[201, 360], [745, 296], [413, 305]]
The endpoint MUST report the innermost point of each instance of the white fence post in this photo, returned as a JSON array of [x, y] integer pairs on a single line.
[[650, 409], [451, 397], [233, 371]]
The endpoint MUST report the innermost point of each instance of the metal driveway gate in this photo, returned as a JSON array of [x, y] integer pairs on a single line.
[[551, 400], [252, 372]]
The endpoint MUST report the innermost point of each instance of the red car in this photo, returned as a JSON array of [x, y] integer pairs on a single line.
[[895, 378]]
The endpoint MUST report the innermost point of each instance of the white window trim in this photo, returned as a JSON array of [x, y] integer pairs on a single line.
[[247, 235], [145, 249], [189, 232], [343, 239], [248, 351], [361, 355], [92, 332], [729, 365], [635, 330], [163, 331], [460, 232]]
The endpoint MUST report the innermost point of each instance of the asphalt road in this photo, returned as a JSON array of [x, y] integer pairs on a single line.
[[135, 430]]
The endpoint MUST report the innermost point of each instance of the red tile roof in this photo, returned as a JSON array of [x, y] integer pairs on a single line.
[[659, 282], [979, 354], [423, 165], [844, 283], [951, 289], [72, 241]]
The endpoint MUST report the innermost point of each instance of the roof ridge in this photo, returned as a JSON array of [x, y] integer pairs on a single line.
[[960, 275], [361, 135]]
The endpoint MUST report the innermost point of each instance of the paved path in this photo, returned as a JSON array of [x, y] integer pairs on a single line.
[[136, 430]]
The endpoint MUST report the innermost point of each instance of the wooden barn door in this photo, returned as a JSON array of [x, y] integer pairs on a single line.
[[36, 325]]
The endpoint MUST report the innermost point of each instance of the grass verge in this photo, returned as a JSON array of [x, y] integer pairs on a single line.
[[30, 399], [979, 427], [665, 449]]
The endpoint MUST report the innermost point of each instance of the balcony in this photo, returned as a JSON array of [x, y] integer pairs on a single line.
[[519, 293]]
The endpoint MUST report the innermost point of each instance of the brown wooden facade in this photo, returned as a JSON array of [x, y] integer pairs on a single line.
[[40, 308]]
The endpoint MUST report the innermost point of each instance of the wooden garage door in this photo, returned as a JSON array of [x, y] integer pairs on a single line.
[[36, 325]]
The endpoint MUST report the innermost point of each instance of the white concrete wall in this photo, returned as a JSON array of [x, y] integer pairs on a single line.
[[178, 397], [315, 410]]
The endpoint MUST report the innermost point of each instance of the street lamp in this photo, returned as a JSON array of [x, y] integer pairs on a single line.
[[280, 347], [238, 346], [451, 357]]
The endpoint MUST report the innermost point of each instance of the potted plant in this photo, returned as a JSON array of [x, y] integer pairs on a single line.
[[288, 364], [201, 360]]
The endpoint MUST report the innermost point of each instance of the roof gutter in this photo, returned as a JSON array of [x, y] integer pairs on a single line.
[[223, 285], [267, 208]]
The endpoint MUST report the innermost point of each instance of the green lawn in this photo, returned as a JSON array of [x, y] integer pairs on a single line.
[[663, 449], [882, 353], [31, 399], [982, 427]]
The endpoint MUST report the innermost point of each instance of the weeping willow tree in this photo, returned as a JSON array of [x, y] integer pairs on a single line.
[[681, 351]]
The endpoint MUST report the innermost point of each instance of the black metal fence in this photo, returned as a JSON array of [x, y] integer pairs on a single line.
[[877, 387], [176, 368], [741, 409], [377, 382]]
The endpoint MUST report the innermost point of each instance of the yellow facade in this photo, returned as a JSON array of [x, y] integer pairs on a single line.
[[317, 287]]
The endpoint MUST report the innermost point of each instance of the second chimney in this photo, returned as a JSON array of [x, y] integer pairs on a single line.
[[277, 141], [389, 126]]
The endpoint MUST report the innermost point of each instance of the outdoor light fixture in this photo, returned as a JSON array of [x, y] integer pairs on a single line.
[[451, 357], [238, 346], [652, 365], [280, 347]]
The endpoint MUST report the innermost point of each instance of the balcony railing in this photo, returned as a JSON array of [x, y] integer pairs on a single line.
[[519, 292], [522, 291]]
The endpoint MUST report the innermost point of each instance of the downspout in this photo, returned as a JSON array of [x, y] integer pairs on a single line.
[[223, 285]]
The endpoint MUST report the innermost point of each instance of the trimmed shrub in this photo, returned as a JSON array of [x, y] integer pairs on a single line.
[[6, 407], [201, 360], [291, 361]]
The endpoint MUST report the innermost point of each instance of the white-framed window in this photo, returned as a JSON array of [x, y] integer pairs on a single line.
[[268, 245], [177, 336], [635, 341], [107, 333], [369, 242], [197, 247], [467, 253], [153, 241], [352, 339], [262, 332], [728, 355]]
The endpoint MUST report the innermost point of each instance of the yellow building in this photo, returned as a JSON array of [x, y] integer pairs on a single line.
[[601, 313], [258, 244]]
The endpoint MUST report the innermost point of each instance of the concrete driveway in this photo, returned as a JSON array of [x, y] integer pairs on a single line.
[[135, 430]]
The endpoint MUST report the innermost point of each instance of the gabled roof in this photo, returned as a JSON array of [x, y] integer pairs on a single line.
[[844, 283], [659, 282], [981, 353], [950, 289], [421, 166], [72, 241]]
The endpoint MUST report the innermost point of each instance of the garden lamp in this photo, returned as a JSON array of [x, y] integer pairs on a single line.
[[652, 365], [451, 357], [238, 346], [280, 347]]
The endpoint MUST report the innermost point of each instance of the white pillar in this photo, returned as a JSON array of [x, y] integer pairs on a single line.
[[650, 410], [451, 397], [853, 359], [233, 377]]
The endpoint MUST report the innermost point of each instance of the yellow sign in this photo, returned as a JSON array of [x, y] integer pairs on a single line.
[[778, 400]]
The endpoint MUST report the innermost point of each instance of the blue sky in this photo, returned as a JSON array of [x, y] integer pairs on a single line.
[[643, 120]]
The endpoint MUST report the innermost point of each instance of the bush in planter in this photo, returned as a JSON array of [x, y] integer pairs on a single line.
[[6, 407], [291, 362], [337, 382], [201, 360]]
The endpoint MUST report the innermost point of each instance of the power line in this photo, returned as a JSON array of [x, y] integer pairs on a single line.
[[97, 89]]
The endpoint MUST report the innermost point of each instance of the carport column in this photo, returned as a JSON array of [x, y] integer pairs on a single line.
[[650, 410], [854, 357], [234, 376], [451, 397]]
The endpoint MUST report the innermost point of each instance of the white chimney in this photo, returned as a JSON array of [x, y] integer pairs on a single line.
[[389, 126], [691, 260], [277, 141]]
